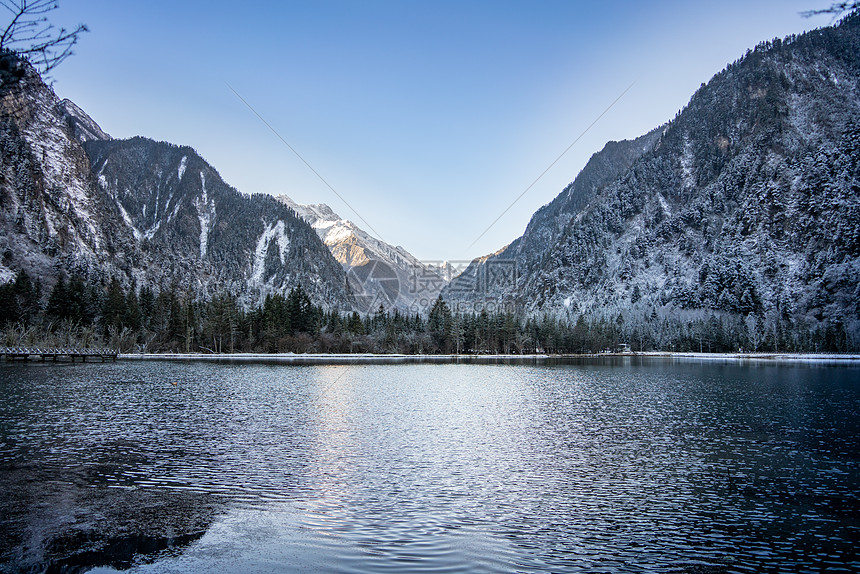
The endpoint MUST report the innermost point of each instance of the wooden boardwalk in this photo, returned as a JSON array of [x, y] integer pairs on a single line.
[[57, 354]]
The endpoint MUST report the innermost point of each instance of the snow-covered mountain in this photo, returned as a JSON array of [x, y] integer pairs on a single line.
[[197, 230], [743, 210], [74, 202], [379, 273], [495, 279], [52, 217], [746, 205]]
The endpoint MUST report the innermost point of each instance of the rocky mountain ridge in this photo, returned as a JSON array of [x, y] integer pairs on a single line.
[[85, 128], [745, 207], [379, 273], [199, 231], [743, 210], [74, 202], [51, 220]]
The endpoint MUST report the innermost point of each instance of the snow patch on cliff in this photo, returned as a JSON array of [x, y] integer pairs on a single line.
[[664, 204], [687, 165], [127, 218], [277, 232], [205, 214]]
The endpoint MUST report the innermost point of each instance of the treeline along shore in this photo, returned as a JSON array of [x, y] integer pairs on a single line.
[[512, 359], [78, 313]]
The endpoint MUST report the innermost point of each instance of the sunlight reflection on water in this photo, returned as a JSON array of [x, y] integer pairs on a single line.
[[489, 468]]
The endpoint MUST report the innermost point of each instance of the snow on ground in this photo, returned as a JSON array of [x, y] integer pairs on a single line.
[[6, 274], [205, 214], [776, 357], [51, 143], [182, 163], [664, 204], [174, 212], [127, 218], [687, 165], [275, 231], [338, 233], [323, 225], [334, 359], [149, 233], [138, 234]]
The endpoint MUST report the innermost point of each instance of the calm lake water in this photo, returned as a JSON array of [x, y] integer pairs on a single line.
[[626, 466]]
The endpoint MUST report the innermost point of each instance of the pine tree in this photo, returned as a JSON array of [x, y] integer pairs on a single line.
[[131, 316], [439, 324], [58, 307], [355, 324], [78, 303], [113, 312]]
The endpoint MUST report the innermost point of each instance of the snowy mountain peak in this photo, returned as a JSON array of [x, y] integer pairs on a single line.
[[379, 273]]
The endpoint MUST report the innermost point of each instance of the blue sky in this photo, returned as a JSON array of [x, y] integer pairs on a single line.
[[429, 118]]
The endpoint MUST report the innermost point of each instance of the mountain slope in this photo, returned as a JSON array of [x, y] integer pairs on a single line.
[[145, 212], [197, 230], [52, 218], [496, 277], [746, 204], [379, 273]]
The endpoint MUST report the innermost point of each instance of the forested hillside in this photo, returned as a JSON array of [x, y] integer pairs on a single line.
[[193, 229], [734, 225], [139, 212], [742, 212]]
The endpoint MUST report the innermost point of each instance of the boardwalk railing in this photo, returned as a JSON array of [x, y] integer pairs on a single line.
[[57, 354]]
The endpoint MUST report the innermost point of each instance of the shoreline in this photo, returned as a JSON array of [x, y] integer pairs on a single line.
[[396, 359]]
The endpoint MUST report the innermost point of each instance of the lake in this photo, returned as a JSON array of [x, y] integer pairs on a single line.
[[595, 466]]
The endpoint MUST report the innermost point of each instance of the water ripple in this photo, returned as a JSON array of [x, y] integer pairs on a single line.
[[447, 468]]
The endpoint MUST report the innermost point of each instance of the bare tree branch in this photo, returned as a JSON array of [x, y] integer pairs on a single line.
[[30, 35], [836, 9]]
